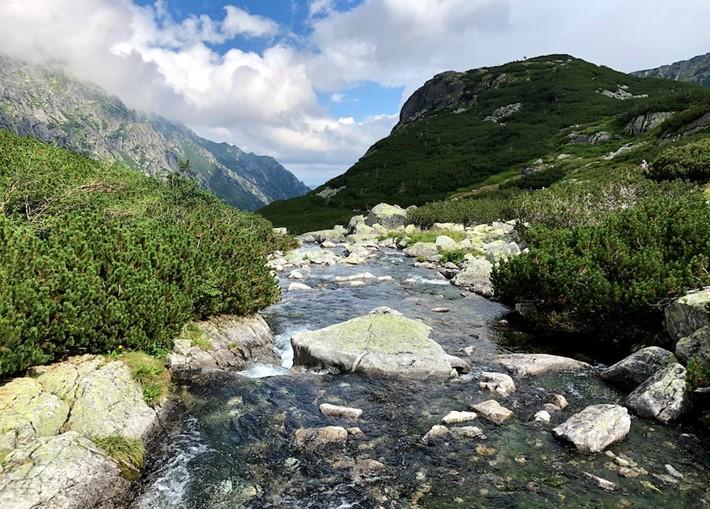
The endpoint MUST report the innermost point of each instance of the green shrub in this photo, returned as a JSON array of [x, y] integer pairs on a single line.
[[93, 256], [611, 276], [468, 211], [538, 180], [150, 373], [688, 162]]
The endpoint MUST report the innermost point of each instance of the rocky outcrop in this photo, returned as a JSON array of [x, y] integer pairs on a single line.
[[595, 427], [591, 139], [225, 342], [688, 314], [633, 370], [444, 91], [66, 471], [644, 123], [663, 396], [503, 113], [384, 344], [523, 364]]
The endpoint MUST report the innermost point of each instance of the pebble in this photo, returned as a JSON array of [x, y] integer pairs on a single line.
[[440, 310], [602, 483]]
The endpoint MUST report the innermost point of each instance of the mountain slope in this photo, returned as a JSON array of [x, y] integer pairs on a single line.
[[695, 70], [83, 118], [461, 128]]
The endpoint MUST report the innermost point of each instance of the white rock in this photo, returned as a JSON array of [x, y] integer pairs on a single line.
[[499, 383], [455, 417], [524, 364], [299, 287], [493, 411], [295, 274], [436, 432], [595, 427], [663, 396], [543, 416], [340, 412]]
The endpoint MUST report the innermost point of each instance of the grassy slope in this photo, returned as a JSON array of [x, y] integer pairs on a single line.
[[446, 152]]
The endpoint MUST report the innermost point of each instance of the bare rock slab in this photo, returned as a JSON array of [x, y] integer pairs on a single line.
[[523, 364], [381, 344], [493, 411], [663, 396], [595, 427], [340, 412]]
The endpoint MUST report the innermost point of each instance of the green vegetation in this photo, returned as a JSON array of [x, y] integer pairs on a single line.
[[426, 236], [197, 337], [698, 374], [129, 453], [485, 208], [150, 373], [615, 272], [96, 256], [689, 162], [449, 150]]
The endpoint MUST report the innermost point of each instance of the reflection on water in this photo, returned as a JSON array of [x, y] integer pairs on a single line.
[[235, 448]]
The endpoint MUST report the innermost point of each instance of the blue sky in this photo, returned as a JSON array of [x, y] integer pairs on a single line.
[[314, 83]]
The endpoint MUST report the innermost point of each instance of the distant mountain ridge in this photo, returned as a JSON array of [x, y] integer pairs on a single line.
[[82, 117], [695, 70], [461, 129]]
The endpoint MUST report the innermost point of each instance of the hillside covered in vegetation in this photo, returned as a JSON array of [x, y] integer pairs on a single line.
[[97, 257], [534, 122]]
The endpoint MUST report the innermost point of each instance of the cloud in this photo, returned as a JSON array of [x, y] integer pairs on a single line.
[[267, 100]]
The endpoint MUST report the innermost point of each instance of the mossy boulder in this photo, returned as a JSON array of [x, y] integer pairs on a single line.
[[688, 314], [663, 396], [696, 346], [385, 344]]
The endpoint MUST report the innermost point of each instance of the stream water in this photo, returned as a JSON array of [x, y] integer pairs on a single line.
[[234, 445]]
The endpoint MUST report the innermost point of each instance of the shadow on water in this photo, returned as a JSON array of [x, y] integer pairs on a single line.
[[235, 448]]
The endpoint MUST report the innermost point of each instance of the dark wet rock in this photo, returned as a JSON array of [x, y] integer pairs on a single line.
[[376, 344], [493, 411], [633, 370], [688, 314], [499, 383], [538, 364], [663, 396], [367, 470], [595, 427]]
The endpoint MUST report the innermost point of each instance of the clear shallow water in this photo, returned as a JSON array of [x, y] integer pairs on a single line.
[[234, 446]]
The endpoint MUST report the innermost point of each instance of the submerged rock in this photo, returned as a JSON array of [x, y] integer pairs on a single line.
[[299, 287], [499, 383], [601, 482], [688, 314], [340, 412], [663, 396], [595, 427], [66, 471], [437, 432], [320, 437], [637, 367], [524, 364], [466, 432], [493, 411], [384, 344], [455, 417]]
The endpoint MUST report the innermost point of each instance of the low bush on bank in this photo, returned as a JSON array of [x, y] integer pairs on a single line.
[[96, 256], [468, 211], [538, 180], [687, 162], [612, 275]]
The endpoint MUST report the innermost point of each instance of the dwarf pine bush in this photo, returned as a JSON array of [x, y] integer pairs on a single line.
[[95, 256]]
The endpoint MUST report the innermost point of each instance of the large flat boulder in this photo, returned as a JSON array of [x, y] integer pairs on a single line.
[[62, 472], [663, 396], [595, 427], [523, 364], [389, 216], [422, 250], [476, 277], [383, 343], [633, 370], [688, 314], [109, 402]]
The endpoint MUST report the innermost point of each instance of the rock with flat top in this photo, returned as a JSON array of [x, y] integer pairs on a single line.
[[595, 427], [389, 216], [523, 364], [321, 437], [455, 417], [493, 411], [384, 344], [476, 277], [422, 250]]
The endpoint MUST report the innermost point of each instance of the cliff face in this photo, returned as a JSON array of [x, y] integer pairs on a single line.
[[695, 70], [82, 117]]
